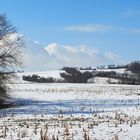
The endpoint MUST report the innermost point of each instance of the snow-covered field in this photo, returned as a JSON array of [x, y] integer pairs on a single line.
[[71, 112]]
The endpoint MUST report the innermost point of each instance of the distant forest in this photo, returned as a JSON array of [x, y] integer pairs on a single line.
[[131, 74]]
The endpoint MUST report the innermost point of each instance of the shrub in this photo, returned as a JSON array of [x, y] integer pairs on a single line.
[[39, 79], [72, 75]]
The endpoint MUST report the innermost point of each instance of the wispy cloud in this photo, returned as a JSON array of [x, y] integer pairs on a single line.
[[132, 12], [100, 28], [89, 28], [129, 30]]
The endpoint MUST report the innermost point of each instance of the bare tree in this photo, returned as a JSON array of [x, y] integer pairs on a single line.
[[10, 52]]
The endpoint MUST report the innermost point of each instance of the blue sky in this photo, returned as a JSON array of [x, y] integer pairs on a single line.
[[105, 25]]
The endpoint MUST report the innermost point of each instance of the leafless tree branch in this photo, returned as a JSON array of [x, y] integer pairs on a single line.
[[10, 52]]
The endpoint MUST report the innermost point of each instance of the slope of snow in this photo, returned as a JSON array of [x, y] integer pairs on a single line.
[[102, 80], [116, 70], [71, 111], [45, 74]]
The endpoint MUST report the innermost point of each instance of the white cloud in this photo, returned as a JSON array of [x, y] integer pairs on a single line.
[[55, 56], [79, 56], [100, 28], [37, 42], [52, 48], [35, 58], [89, 28]]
